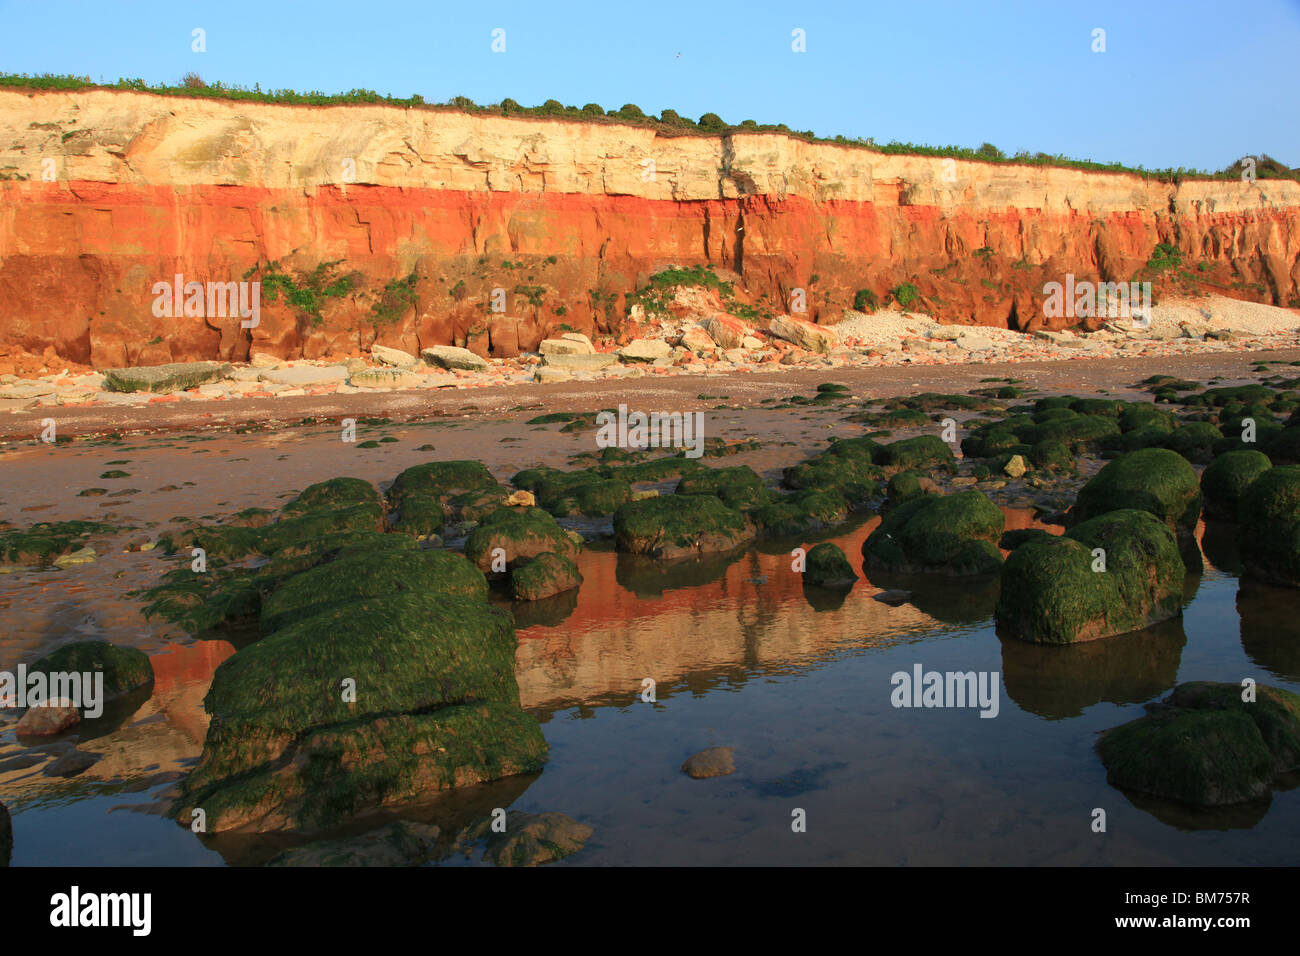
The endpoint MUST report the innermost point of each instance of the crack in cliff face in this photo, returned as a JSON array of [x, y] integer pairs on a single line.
[[738, 259]]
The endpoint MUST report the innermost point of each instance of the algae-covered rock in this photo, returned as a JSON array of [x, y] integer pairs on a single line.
[[1052, 455], [591, 496], [1057, 590], [1194, 441], [1284, 446], [801, 512], [1269, 517], [124, 668], [738, 487], [420, 515], [846, 469], [1154, 480], [907, 485], [674, 526], [335, 773], [1227, 477], [334, 493], [520, 533], [370, 575], [361, 706], [921, 452], [544, 576], [948, 534], [441, 479], [1206, 746], [826, 566], [44, 542]]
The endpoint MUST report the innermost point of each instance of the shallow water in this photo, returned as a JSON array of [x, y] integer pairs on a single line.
[[797, 680]]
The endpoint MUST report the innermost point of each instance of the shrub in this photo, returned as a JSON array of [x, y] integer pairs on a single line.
[[906, 294], [865, 301]]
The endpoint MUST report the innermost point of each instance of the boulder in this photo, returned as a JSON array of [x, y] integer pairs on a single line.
[[697, 340], [451, 357], [48, 720], [714, 762], [645, 350], [674, 526], [520, 534], [1204, 746], [921, 452], [826, 566], [1154, 480], [1061, 590], [384, 378], [395, 357], [943, 534], [435, 706], [175, 377], [579, 361], [738, 487], [805, 334], [1269, 519], [1227, 477], [544, 576], [567, 345], [1016, 466], [727, 332]]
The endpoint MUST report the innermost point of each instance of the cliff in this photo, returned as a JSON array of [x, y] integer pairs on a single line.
[[104, 194]]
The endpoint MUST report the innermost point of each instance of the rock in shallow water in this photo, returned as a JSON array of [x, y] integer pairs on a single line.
[[714, 762], [827, 567], [1116, 573], [544, 576], [48, 720], [435, 706], [1269, 512], [1205, 746], [946, 534]]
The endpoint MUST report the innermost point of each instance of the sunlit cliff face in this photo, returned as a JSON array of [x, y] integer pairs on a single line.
[[556, 215]]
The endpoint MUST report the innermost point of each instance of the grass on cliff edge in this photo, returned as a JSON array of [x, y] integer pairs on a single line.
[[669, 122]]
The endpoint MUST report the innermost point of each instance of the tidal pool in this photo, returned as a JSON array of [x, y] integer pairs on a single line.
[[796, 680]]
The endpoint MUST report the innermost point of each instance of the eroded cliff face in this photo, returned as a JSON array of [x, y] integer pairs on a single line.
[[104, 194]]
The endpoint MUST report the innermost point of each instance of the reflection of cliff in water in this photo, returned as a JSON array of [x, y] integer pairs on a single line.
[[693, 625], [1270, 627], [151, 731], [1219, 544], [720, 620], [1062, 681]]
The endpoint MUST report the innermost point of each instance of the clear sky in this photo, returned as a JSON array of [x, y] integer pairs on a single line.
[[1193, 83]]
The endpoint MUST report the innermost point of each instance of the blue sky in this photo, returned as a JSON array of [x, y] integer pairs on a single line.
[[1191, 83]]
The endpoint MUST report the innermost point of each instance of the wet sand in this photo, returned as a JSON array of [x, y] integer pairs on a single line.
[[678, 392]]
